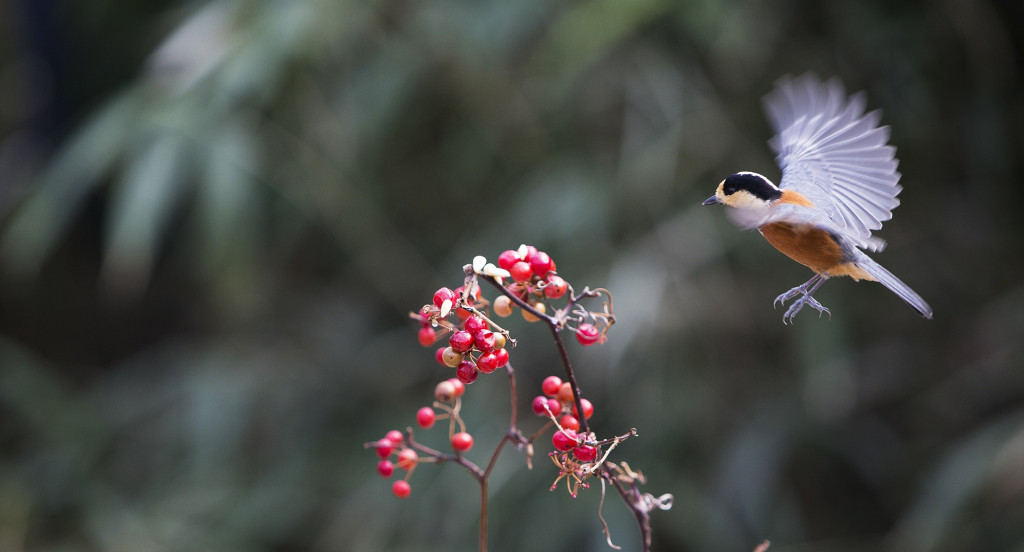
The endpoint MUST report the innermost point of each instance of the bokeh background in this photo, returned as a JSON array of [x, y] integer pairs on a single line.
[[216, 215]]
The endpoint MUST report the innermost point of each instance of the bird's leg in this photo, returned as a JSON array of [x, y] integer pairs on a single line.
[[804, 291]]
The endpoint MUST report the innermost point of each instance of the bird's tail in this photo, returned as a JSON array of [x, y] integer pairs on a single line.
[[895, 285]]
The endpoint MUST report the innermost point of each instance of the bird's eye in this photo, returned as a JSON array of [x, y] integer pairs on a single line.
[[729, 188]]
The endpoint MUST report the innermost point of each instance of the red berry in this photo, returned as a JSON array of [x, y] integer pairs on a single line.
[[485, 341], [458, 385], [467, 371], [585, 453], [384, 447], [501, 357], [508, 258], [426, 336], [540, 263], [530, 250], [474, 325], [462, 441], [564, 439], [385, 468], [425, 417], [461, 341], [554, 405], [407, 459], [569, 422], [551, 385], [395, 437], [401, 488], [556, 287], [442, 295], [588, 408], [588, 334], [539, 402], [488, 362], [521, 271], [439, 355]]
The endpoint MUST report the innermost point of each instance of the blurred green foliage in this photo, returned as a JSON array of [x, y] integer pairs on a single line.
[[216, 215]]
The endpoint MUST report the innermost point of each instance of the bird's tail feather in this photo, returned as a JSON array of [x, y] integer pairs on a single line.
[[895, 285]]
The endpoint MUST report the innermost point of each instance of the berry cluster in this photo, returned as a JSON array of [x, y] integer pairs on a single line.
[[472, 346], [557, 403], [527, 279], [395, 444]]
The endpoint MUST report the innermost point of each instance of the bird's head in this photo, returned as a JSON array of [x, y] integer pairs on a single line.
[[745, 190]]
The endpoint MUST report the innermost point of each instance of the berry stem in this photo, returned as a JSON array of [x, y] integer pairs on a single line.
[[632, 495], [554, 324]]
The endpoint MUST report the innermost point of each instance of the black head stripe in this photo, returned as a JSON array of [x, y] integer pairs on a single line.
[[753, 183]]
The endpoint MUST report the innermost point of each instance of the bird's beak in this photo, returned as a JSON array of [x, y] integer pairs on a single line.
[[711, 201]]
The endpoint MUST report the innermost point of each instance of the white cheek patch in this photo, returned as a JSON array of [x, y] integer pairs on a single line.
[[745, 200]]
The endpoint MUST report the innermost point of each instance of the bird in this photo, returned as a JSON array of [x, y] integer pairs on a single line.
[[839, 183]]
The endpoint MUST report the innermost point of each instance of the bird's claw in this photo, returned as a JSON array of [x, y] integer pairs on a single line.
[[805, 299], [799, 290]]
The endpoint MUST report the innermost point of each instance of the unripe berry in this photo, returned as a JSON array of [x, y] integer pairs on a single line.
[[499, 341], [521, 271], [450, 357], [569, 422], [585, 453], [539, 307], [442, 295], [461, 341], [444, 391], [385, 468], [540, 263], [556, 287], [551, 385], [462, 441], [587, 334], [502, 306], [467, 371], [564, 440], [458, 385], [508, 258], [407, 459], [401, 488], [565, 393], [425, 417], [484, 341], [474, 325], [426, 336]]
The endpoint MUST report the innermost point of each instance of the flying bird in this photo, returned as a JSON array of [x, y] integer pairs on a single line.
[[839, 183]]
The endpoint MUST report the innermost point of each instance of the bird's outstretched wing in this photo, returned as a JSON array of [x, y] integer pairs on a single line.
[[832, 152]]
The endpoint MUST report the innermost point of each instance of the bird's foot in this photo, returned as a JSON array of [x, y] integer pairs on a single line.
[[807, 300], [798, 290]]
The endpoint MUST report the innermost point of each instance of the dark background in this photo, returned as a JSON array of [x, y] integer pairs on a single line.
[[215, 216]]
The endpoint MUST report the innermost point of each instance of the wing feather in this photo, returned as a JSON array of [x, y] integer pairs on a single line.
[[834, 153]]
